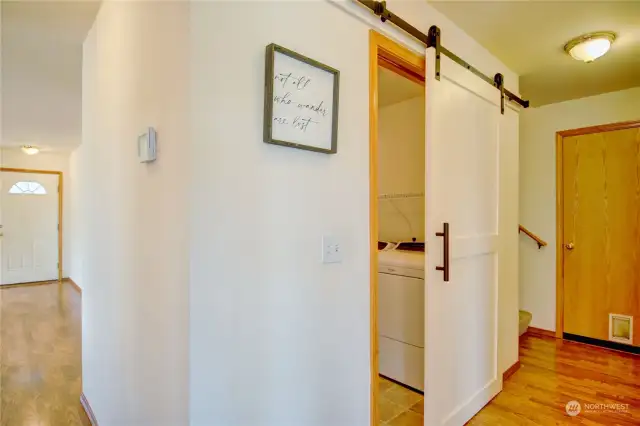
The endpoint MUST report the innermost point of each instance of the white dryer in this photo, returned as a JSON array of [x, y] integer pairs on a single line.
[[401, 316]]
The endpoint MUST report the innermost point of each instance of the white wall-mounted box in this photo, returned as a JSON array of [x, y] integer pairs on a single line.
[[147, 146]]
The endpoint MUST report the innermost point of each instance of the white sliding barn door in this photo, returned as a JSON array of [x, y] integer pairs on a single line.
[[462, 179]]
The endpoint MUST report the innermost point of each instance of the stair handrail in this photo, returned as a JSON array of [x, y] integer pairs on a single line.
[[541, 243]]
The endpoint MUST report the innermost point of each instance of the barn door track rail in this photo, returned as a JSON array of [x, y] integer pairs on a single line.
[[432, 39]]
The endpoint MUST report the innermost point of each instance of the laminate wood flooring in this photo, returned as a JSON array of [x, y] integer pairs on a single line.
[[40, 373], [40, 356], [553, 373]]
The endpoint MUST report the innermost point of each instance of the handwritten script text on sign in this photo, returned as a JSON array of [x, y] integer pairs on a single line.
[[302, 100]]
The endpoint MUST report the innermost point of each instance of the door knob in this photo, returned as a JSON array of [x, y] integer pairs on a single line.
[[569, 246]]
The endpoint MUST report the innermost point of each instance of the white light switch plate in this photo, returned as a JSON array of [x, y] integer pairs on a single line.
[[331, 250]]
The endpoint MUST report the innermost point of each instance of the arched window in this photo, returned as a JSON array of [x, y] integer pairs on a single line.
[[27, 187]]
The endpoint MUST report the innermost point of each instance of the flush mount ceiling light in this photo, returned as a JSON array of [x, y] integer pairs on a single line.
[[30, 150], [590, 47]]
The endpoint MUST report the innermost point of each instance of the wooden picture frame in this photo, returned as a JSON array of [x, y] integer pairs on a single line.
[[299, 109]]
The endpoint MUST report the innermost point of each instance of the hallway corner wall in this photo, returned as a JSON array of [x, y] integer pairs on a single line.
[[75, 243], [538, 188], [133, 216]]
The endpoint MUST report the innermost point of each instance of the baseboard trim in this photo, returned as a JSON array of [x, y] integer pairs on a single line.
[[29, 284], [515, 367], [402, 384], [87, 410], [73, 283], [541, 332], [606, 344]]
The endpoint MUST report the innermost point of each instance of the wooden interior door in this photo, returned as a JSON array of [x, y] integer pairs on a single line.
[[601, 231]]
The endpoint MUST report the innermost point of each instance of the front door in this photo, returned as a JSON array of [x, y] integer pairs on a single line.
[[601, 241], [29, 204], [464, 133]]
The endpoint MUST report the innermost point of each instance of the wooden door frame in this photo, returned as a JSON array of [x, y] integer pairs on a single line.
[[560, 208], [60, 209], [393, 56]]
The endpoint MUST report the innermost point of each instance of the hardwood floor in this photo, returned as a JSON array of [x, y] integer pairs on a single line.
[[40, 364], [554, 372], [40, 373]]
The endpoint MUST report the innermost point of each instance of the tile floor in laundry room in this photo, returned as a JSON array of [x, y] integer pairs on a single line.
[[399, 406]]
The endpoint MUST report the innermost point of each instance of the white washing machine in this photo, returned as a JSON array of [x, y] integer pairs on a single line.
[[401, 316]]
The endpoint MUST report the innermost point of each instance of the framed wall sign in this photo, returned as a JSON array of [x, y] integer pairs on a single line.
[[300, 102]]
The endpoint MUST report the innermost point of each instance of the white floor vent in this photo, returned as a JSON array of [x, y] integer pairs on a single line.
[[621, 328]]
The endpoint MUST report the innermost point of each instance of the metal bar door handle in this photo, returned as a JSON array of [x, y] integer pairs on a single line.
[[445, 242]]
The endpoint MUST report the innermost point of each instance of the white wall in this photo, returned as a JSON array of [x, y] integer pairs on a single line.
[[276, 337], [401, 167], [58, 161], [133, 216], [74, 245], [538, 188]]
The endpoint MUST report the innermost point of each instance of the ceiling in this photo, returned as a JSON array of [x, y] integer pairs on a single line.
[[42, 71], [529, 36], [393, 88]]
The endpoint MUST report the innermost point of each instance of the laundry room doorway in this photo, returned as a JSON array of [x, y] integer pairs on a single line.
[[435, 314], [397, 167]]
